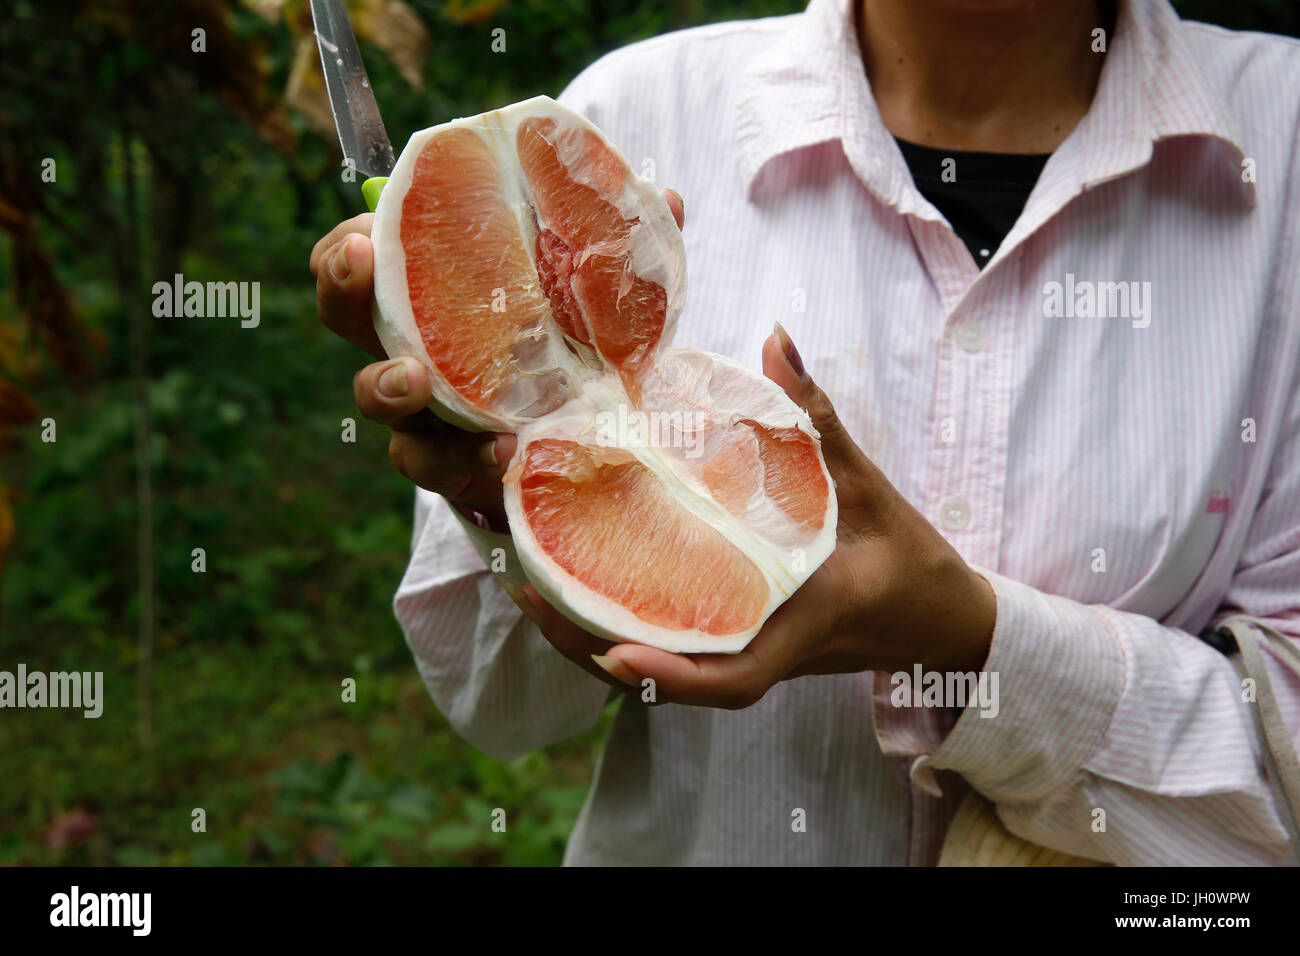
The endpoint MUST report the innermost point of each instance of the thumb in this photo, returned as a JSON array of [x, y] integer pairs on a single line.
[[782, 364], [858, 482]]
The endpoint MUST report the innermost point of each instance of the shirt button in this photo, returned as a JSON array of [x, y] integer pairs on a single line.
[[970, 335], [954, 514]]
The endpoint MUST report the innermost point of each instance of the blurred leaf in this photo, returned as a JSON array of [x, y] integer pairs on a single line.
[[14, 848], [71, 829], [135, 855], [394, 28], [453, 837], [306, 90], [6, 525], [471, 11], [16, 407], [390, 25]]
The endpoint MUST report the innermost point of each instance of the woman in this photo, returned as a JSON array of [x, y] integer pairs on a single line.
[[1042, 258]]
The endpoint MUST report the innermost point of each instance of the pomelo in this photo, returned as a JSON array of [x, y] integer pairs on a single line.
[[658, 494]]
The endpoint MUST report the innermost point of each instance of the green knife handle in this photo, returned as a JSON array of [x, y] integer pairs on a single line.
[[371, 189]]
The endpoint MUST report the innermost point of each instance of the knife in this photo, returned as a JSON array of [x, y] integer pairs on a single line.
[[356, 114]]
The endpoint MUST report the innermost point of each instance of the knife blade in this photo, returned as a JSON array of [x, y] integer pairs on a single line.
[[356, 114]]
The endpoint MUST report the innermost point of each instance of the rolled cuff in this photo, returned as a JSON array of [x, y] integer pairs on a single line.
[[1055, 674]]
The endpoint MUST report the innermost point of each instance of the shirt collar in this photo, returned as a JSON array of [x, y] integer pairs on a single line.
[[810, 88]]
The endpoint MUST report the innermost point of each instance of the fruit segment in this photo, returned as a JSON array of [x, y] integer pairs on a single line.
[[473, 290], [658, 494], [517, 253], [603, 517], [585, 248]]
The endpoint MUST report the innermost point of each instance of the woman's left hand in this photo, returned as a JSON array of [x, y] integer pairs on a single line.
[[893, 594]]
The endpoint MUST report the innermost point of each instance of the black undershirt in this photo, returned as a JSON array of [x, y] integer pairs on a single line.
[[985, 195]]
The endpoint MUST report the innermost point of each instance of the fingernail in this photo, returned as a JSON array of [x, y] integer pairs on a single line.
[[488, 454], [791, 353], [339, 267], [616, 669], [521, 601], [392, 382]]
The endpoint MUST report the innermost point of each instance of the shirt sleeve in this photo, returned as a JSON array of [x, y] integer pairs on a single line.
[[491, 673], [1110, 711]]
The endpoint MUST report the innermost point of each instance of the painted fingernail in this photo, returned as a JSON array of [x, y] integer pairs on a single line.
[[791, 353], [392, 382], [521, 601], [339, 267], [681, 203], [616, 669]]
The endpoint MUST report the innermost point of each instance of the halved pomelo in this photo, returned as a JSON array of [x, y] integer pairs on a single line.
[[658, 494]]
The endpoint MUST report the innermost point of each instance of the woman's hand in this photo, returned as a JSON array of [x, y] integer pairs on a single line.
[[894, 593]]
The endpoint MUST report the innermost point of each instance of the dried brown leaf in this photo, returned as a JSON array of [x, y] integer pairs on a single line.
[[471, 11], [396, 29], [306, 91], [388, 24]]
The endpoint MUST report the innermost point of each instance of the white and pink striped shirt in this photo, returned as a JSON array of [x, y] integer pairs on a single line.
[[1122, 461]]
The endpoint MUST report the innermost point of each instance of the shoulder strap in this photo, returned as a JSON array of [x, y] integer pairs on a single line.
[[1279, 749]]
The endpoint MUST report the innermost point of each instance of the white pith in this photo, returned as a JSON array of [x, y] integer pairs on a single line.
[[658, 255]]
